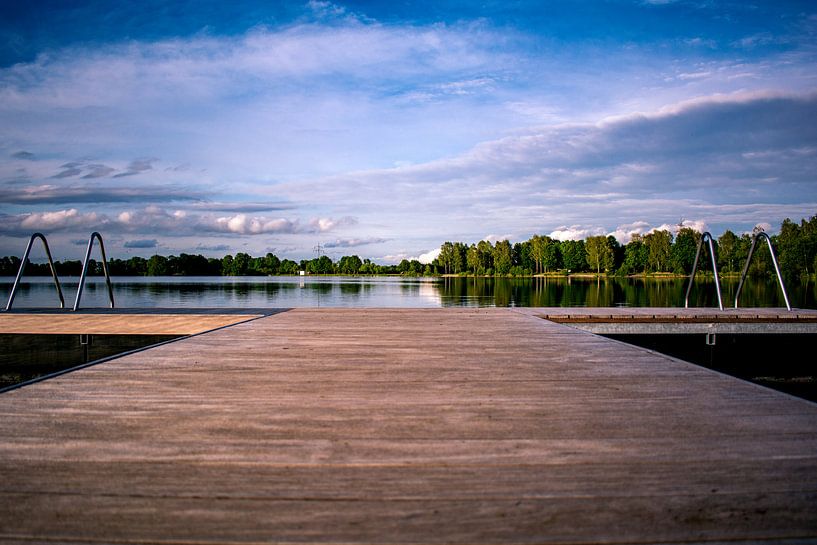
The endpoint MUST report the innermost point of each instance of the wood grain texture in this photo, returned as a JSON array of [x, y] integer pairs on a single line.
[[672, 315], [404, 426], [117, 324]]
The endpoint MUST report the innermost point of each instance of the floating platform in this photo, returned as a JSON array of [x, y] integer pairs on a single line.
[[404, 426], [668, 321], [117, 323]]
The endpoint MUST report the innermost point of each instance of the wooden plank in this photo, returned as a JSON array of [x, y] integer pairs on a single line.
[[409, 479], [127, 518], [670, 315], [117, 324], [416, 425]]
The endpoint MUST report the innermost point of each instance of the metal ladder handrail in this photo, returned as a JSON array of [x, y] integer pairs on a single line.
[[23, 266], [85, 269], [774, 261], [706, 236]]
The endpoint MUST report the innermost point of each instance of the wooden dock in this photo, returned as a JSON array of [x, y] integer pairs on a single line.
[[668, 321], [116, 324], [404, 426]]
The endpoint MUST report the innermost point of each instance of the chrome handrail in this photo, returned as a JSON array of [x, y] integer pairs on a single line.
[[23, 266], [774, 261], [706, 236], [85, 269]]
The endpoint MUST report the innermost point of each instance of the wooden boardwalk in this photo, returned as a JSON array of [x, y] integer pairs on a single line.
[[116, 324], [672, 315], [665, 321], [404, 426]]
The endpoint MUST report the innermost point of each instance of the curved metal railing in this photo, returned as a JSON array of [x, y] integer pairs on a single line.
[[23, 266], [776, 268], [82, 276], [706, 236]]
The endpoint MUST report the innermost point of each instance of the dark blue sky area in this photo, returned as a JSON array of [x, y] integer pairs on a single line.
[[29, 28]]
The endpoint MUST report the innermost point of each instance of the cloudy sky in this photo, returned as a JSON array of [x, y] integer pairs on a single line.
[[386, 128]]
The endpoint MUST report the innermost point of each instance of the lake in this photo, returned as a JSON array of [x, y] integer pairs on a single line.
[[366, 291]]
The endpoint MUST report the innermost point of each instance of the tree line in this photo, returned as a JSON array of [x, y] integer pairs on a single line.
[[654, 252], [242, 264]]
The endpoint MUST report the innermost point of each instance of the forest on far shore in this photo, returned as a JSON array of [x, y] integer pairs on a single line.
[[656, 252]]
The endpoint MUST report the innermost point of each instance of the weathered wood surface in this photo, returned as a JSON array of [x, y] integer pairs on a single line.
[[667, 321], [671, 315], [404, 426], [116, 324]]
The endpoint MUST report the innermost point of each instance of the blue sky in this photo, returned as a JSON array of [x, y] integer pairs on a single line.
[[385, 129]]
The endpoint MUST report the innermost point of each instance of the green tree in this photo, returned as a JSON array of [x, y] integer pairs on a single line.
[[404, 267], [486, 255], [446, 257], [269, 264], [635, 256], [459, 257], [9, 265], [552, 255], [321, 265], [599, 254], [618, 251], [537, 252], [574, 255], [728, 249], [157, 266], [368, 267], [473, 260], [226, 265], [683, 250], [659, 250], [502, 257], [241, 264], [797, 247], [522, 260], [761, 264], [349, 264], [213, 266], [189, 265], [288, 267]]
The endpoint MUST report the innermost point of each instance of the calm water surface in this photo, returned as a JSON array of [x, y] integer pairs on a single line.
[[363, 291]]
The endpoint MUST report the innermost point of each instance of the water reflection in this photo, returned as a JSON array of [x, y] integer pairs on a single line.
[[200, 292]]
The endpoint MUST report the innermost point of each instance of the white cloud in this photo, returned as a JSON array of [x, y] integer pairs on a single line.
[[203, 67], [353, 242], [755, 40], [493, 239], [154, 220], [325, 9], [694, 75], [429, 256], [395, 258], [762, 226], [697, 225], [584, 179], [323, 225], [575, 232], [624, 233], [61, 219], [246, 225]]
